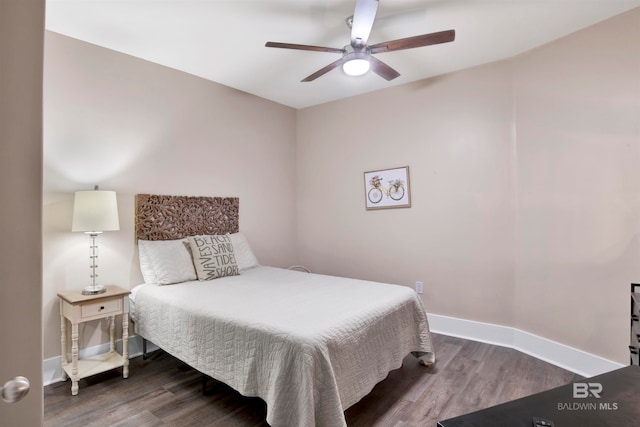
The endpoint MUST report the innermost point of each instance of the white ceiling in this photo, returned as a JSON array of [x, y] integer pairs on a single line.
[[223, 41]]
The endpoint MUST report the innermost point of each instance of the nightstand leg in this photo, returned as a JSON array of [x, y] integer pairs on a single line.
[[74, 359], [125, 345], [63, 343], [112, 334]]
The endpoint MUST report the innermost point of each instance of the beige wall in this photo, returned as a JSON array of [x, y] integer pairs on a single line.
[[577, 107], [21, 52], [137, 127], [454, 133], [524, 181]]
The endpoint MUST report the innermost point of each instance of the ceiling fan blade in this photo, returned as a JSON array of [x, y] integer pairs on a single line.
[[363, 17], [382, 69], [304, 47], [415, 41], [324, 70]]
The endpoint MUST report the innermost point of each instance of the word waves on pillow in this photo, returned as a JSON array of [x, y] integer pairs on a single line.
[[213, 256]]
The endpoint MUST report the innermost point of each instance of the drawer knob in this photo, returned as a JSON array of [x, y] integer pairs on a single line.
[[633, 350], [102, 307], [634, 317]]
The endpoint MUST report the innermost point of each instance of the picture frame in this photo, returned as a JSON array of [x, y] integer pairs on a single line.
[[387, 188]]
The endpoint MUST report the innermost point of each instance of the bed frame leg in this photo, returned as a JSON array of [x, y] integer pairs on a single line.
[[426, 363], [144, 349], [207, 391], [424, 358]]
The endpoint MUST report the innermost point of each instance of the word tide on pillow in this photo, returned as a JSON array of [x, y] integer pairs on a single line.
[[213, 256]]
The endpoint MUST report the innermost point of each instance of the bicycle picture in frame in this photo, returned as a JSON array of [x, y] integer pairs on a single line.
[[387, 188]]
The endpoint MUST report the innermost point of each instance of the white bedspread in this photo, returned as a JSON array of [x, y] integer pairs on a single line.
[[309, 345]]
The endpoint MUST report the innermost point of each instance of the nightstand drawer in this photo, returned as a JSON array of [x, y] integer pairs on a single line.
[[110, 306]]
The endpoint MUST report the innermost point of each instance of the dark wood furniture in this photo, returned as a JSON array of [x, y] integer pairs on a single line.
[[618, 404], [634, 338]]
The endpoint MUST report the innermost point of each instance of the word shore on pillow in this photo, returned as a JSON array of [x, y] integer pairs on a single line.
[[213, 256]]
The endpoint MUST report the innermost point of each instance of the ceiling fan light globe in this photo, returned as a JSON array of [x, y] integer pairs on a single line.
[[356, 67]]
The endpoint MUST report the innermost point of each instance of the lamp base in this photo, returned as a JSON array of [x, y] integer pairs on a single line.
[[93, 290]]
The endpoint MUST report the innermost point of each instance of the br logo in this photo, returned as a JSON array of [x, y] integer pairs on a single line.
[[584, 390]]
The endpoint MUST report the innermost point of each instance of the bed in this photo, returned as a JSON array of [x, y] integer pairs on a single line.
[[309, 345]]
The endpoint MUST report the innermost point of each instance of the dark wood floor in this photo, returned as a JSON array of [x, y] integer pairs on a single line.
[[161, 390]]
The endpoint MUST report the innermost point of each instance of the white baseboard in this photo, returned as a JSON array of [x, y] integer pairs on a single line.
[[569, 358], [52, 367]]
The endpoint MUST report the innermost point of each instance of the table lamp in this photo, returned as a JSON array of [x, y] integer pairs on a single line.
[[95, 211]]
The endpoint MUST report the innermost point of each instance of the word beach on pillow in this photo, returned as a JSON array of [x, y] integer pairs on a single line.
[[213, 256]]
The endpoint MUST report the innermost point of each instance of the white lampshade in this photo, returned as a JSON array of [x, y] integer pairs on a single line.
[[95, 211]]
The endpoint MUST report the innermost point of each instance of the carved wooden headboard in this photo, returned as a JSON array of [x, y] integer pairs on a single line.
[[174, 217]]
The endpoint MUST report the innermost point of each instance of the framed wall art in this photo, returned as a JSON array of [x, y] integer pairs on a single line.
[[387, 188]]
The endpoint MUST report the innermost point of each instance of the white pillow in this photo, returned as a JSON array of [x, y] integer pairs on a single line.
[[244, 256], [164, 262]]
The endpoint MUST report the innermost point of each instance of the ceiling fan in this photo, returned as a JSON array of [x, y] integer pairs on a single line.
[[357, 57]]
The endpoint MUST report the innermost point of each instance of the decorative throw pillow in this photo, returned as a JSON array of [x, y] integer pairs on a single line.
[[213, 256], [244, 255], [163, 262]]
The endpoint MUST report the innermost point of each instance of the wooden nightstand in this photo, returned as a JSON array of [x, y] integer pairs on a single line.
[[78, 308]]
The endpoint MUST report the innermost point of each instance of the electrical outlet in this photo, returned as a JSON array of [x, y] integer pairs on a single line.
[[419, 287]]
